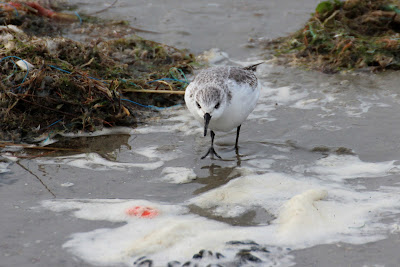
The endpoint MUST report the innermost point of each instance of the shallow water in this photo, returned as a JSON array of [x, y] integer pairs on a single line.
[[316, 180], [200, 26]]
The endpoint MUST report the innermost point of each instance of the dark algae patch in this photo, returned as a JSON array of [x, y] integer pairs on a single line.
[[52, 84], [345, 35]]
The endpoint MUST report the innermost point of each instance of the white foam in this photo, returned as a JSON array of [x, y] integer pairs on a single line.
[[328, 125], [178, 175], [174, 234], [363, 107], [95, 162], [335, 167], [301, 211], [4, 167], [269, 98], [177, 120], [315, 220], [319, 101], [270, 189], [282, 95], [293, 97], [261, 112], [309, 211], [307, 104], [67, 184], [157, 152], [112, 210], [313, 207], [261, 163]]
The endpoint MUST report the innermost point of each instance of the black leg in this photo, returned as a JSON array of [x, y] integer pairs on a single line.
[[212, 138], [211, 149], [237, 137]]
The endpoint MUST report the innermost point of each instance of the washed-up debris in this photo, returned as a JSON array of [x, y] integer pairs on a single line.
[[345, 35], [142, 212], [37, 9], [51, 84], [24, 65]]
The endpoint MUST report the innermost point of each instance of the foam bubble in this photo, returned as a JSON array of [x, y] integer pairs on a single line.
[[178, 175]]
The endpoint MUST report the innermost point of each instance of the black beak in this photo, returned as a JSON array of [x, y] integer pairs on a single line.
[[207, 118]]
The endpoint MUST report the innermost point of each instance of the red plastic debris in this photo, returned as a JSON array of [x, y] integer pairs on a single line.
[[142, 212], [39, 10]]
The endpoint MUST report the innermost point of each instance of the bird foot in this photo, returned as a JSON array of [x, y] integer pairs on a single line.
[[212, 152]]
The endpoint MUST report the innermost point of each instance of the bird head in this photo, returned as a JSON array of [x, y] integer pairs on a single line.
[[210, 103]]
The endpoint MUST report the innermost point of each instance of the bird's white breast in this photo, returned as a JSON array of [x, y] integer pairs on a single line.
[[243, 102]]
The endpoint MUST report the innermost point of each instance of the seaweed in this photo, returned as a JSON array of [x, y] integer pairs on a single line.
[[52, 84], [345, 35]]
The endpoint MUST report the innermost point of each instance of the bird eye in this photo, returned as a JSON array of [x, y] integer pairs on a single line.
[[217, 105], [198, 105]]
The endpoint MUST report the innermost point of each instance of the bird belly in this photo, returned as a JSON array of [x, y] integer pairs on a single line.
[[242, 104]]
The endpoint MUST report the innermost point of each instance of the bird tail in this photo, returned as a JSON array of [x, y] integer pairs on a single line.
[[253, 67]]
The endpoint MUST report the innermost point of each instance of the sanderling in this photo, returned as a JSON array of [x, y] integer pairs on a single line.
[[222, 98]]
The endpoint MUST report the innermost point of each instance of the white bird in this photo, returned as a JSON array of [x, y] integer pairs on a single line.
[[222, 98]]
